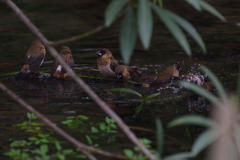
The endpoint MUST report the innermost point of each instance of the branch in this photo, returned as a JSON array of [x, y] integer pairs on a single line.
[[74, 38], [79, 81], [59, 130]]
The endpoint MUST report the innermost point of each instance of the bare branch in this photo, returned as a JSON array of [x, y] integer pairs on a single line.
[[59, 130], [74, 38], [84, 86]]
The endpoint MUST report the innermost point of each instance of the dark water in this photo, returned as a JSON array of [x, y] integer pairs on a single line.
[[59, 99]]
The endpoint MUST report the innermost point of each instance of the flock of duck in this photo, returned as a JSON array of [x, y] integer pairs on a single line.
[[107, 66]]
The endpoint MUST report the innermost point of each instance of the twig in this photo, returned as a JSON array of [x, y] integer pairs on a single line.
[[81, 83], [59, 130], [74, 38]]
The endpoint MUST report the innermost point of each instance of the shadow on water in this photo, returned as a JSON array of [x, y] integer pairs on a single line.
[[58, 99]]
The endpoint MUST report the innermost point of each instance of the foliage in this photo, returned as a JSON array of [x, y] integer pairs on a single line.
[[226, 108], [40, 146], [44, 146], [142, 96], [30, 126], [138, 16], [104, 130], [135, 152]]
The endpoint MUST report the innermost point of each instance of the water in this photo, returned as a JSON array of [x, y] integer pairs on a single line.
[[59, 99]]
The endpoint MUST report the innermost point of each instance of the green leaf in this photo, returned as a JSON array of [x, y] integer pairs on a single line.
[[58, 146], [160, 138], [108, 120], [188, 28], [210, 9], [67, 151], [216, 82], [152, 96], [102, 126], [172, 27], [113, 10], [126, 90], [128, 153], [69, 121], [113, 126], [94, 130], [160, 3], [145, 23], [81, 117], [200, 91], [204, 140], [193, 120], [179, 156], [44, 148], [71, 117], [31, 116], [128, 35], [61, 156], [139, 108], [89, 140], [195, 4], [20, 143]]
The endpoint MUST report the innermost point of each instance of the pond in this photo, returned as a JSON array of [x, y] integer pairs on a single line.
[[59, 99]]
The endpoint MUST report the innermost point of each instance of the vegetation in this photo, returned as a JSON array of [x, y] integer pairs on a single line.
[[137, 15]]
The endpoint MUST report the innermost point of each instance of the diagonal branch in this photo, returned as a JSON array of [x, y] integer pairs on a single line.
[[79, 81], [74, 38], [59, 130]]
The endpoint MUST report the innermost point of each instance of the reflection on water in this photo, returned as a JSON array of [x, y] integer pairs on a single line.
[[62, 98]]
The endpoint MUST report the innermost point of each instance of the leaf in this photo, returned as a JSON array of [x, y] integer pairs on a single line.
[[172, 27], [193, 120], [216, 82], [29, 115], [108, 120], [210, 9], [19, 143], [160, 137], [58, 146], [94, 130], [128, 153], [44, 148], [200, 91], [188, 28], [145, 23], [160, 3], [126, 90], [179, 156], [128, 35], [113, 10], [89, 140], [102, 126], [81, 117], [139, 108], [152, 96], [61, 156], [204, 140], [195, 4]]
